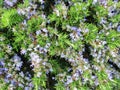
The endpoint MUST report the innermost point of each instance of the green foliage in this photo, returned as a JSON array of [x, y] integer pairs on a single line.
[[3, 85], [116, 84], [10, 17], [34, 24], [1, 3], [61, 43], [100, 11], [62, 39], [77, 13], [26, 4], [113, 39], [60, 86], [58, 67], [115, 19], [72, 43], [92, 32], [40, 83], [42, 40]]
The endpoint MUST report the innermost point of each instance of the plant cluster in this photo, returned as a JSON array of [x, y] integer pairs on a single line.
[[59, 44]]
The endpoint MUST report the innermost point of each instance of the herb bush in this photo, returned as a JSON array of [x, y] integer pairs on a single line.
[[59, 45]]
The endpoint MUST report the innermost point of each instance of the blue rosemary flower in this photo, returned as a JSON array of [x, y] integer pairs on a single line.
[[118, 28]]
